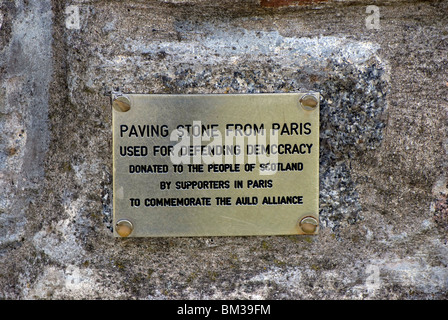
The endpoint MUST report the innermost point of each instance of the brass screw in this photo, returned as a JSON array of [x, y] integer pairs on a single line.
[[309, 102], [124, 228], [308, 224], [121, 104]]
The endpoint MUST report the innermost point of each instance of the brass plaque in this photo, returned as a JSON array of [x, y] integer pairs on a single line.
[[215, 165]]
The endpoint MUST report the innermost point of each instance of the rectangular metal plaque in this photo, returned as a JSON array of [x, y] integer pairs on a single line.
[[215, 165]]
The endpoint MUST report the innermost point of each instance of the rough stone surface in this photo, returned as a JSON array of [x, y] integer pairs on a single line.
[[383, 156]]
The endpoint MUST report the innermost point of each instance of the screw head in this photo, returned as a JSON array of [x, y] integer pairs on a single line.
[[308, 224], [121, 104], [124, 228], [309, 102]]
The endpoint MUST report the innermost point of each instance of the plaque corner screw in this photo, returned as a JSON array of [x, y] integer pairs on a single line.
[[124, 228], [121, 103], [309, 225], [309, 101]]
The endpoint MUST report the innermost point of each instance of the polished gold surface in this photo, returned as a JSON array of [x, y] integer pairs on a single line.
[[228, 185]]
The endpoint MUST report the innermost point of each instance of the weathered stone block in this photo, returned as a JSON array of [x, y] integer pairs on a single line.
[[382, 158]]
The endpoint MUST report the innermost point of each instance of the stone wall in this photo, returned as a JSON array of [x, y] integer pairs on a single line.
[[383, 156]]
